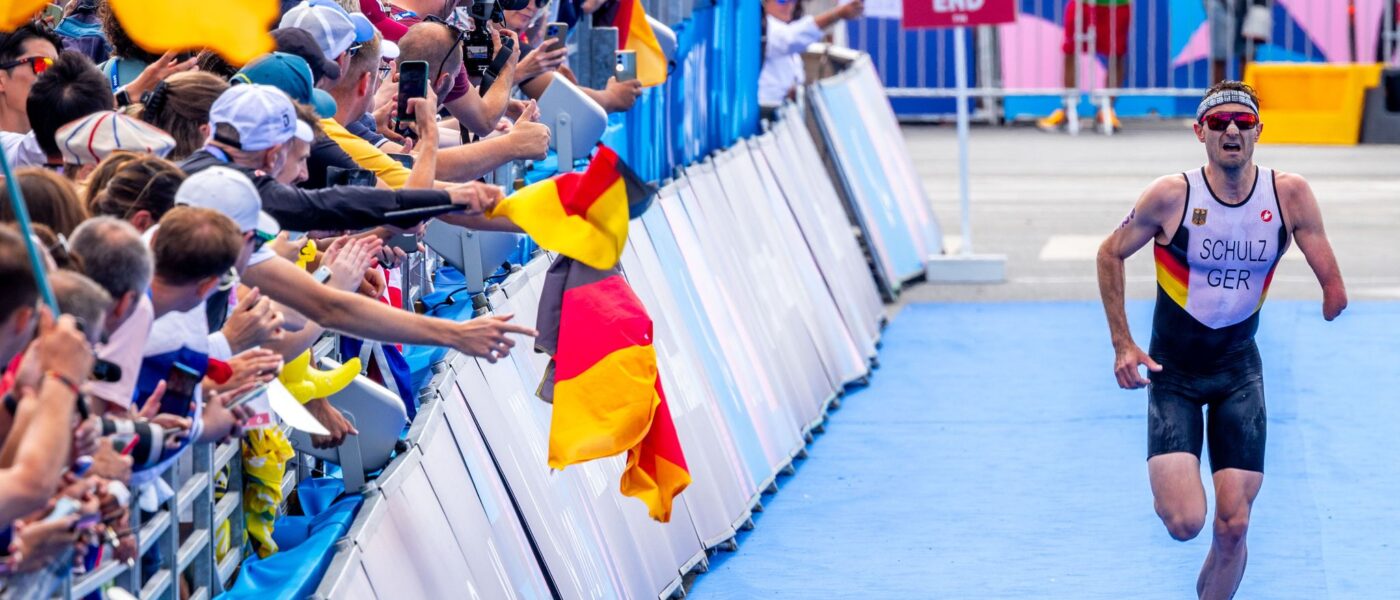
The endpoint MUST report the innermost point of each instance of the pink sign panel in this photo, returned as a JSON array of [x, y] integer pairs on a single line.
[[929, 14]]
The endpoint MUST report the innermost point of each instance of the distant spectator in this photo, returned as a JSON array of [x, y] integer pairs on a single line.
[[79, 296], [82, 32], [1230, 38], [180, 107], [116, 258], [49, 198], [24, 53], [128, 58], [786, 34], [139, 191], [1109, 21], [69, 90]]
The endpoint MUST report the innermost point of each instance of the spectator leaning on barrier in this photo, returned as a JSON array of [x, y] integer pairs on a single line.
[[1108, 21], [37, 415], [1236, 26], [540, 65], [253, 129], [115, 257], [25, 53], [786, 33]]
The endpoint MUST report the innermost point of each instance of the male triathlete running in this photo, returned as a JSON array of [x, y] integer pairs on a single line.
[[1220, 231]]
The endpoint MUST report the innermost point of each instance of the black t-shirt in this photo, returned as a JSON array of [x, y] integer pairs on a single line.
[[341, 207], [324, 153]]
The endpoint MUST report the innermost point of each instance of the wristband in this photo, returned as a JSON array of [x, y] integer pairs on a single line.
[[63, 379]]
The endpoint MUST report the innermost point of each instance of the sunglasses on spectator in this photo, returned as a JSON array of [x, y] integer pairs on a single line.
[[1221, 121], [38, 63]]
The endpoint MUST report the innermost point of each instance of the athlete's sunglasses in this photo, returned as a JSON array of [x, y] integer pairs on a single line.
[[1221, 121], [38, 63]]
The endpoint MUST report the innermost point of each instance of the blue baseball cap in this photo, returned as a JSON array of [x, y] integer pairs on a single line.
[[291, 74]]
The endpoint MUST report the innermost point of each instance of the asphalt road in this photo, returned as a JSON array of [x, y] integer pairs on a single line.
[[1046, 200]]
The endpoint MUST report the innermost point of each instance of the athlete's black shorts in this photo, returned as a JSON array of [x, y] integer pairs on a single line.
[[1230, 386]]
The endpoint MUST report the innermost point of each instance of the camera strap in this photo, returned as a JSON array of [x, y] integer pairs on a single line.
[[498, 62]]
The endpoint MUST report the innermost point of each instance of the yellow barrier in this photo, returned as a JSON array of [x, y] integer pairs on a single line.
[[1311, 103]]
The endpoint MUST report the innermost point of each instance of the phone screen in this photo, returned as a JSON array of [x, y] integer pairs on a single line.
[[179, 389], [413, 83], [339, 176]]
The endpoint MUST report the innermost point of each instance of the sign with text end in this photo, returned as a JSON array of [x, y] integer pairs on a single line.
[[930, 14]]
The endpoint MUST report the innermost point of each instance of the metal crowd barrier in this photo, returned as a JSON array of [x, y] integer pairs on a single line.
[[1169, 57], [750, 367], [765, 310]]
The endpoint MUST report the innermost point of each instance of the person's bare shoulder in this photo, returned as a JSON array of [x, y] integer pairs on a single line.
[[1163, 199]]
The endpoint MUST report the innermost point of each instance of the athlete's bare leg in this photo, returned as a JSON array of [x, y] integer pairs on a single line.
[[1235, 490], [1177, 493]]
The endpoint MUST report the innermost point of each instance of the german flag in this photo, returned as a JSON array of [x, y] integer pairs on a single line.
[[604, 383], [581, 215], [635, 34]]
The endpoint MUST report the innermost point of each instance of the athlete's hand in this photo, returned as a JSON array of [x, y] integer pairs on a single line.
[[1126, 367], [1333, 303]]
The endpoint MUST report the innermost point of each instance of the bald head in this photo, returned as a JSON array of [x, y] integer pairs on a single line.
[[429, 42]]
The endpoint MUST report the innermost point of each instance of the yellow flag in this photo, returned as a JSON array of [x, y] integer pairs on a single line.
[[236, 29], [14, 13]]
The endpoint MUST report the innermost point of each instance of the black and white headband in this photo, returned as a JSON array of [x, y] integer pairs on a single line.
[[1225, 97]]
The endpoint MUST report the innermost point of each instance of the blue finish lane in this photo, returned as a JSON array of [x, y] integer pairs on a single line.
[[993, 456]]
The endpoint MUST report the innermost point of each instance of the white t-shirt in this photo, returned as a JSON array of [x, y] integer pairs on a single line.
[[124, 349], [782, 61], [22, 149]]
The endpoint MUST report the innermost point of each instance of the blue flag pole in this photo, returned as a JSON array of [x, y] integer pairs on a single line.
[[22, 220]]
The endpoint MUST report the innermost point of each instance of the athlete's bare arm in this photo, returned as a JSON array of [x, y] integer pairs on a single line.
[[1304, 220], [1159, 205]]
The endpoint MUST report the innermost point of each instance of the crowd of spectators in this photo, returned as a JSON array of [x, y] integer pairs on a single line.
[[171, 196]]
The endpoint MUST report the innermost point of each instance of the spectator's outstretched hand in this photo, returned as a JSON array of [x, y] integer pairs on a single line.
[[156, 72], [253, 322], [476, 197], [485, 337], [250, 368]]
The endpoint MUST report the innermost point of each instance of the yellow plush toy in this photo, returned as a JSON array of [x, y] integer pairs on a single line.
[[306, 383]]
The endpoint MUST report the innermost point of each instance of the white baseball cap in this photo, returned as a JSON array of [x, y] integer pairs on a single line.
[[263, 116], [334, 29], [231, 193]]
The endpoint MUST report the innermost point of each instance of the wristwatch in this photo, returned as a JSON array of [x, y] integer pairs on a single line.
[[123, 98]]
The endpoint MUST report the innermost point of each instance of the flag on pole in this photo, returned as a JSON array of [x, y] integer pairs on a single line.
[[604, 384], [581, 215]]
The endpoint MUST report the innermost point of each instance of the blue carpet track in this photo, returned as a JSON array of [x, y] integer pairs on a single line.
[[993, 456]]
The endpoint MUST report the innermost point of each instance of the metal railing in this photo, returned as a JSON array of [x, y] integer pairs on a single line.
[[1168, 47]]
